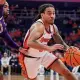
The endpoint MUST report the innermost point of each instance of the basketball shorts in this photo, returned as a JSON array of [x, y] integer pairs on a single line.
[[32, 64]]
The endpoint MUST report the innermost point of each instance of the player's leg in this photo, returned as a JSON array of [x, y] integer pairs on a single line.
[[52, 62], [33, 78], [32, 66], [59, 67]]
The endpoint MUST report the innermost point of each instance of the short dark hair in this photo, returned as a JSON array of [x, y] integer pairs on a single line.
[[42, 9]]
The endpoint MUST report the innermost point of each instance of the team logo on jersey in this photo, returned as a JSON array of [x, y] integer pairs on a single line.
[[44, 39]]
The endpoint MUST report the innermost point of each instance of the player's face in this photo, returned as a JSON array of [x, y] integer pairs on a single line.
[[6, 9], [49, 15]]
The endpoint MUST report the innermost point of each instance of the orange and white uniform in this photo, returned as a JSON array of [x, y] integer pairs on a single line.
[[36, 57]]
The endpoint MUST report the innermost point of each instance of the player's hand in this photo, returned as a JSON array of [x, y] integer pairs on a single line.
[[23, 50], [56, 47], [73, 48]]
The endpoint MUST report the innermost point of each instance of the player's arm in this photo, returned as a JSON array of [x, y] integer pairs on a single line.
[[35, 34], [7, 38], [58, 39]]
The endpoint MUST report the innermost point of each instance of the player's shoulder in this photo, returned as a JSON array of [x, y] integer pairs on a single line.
[[55, 28], [37, 25], [54, 25]]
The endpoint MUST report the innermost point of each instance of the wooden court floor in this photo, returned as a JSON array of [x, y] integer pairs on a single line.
[[40, 77]]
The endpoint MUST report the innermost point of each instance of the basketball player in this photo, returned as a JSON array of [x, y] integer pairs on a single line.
[[38, 52], [4, 11]]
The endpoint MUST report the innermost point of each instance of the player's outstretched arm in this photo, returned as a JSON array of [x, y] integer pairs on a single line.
[[12, 44]]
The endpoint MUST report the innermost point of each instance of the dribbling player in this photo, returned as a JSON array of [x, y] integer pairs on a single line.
[[38, 52]]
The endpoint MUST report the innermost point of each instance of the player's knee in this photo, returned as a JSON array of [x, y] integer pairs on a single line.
[[30, 77]]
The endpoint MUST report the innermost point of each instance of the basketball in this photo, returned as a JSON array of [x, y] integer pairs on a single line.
[[72, 56]]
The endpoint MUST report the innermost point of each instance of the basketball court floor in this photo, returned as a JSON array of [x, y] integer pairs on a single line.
[[48, 76], [40, 77]]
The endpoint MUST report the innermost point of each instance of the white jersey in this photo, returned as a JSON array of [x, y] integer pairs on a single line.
[[42, 40]]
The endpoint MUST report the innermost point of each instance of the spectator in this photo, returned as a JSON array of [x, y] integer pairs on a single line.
[[5, 63], [15, 67]]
